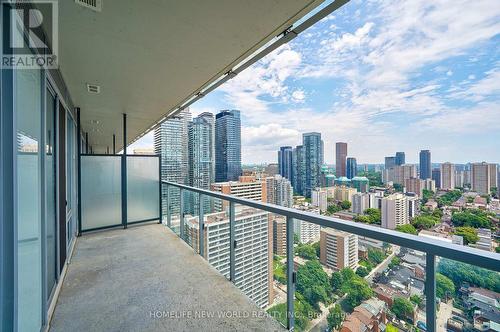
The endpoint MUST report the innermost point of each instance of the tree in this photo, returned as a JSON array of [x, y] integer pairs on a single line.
[[306, 251], [398, 187], [407, 228], [375, 256], [416, 299], [362, 271], [425, 222], [316, 247], [426, 195], [460, 272], [444, 286], [395, 261], [358, 290], [331, 209], [336, 281], [437, 213], [335, 317], [468, 233], [402, 308], [345, 205], [472, 218], [449, 198], [313, 283], [363, 219], [375, 215]]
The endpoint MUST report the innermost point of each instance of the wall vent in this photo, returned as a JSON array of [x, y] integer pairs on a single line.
[[95, 5], [92, 88]]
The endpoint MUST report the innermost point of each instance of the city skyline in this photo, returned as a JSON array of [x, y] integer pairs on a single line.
[[339, 77]]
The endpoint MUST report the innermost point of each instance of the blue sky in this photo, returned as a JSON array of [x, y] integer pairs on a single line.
[[382, 75]]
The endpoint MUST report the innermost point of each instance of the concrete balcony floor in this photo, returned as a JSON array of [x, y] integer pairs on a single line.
[[145, 278]]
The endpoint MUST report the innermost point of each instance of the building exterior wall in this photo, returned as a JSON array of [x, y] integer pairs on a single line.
[[227, 146], [338, 249], [394, 211], [447, 176], [340, 159]]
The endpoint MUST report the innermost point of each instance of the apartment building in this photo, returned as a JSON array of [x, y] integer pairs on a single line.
[[279, 191], [403, 172], [279, 236], [247, 187], [319, 198], [447, 176], [394, 211], [481, 178], [253, 250], [338, 249], [415, 185]]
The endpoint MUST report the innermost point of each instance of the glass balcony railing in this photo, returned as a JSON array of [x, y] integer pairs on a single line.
[[313, 272]]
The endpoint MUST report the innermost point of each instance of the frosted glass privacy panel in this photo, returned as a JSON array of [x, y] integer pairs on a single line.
[[143, 191], [101, 191]]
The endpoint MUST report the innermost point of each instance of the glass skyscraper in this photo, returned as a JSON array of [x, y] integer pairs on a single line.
[[425, 164], [227, 146], [400, 158], [313, 159], [285, 162], [173, 150], [298, 165], [352, 167]]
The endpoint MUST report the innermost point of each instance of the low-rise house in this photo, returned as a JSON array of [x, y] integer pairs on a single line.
[[369, 316]]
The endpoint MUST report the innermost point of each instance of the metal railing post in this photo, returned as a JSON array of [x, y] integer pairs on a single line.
[[232, 243], [201, 226], [169, 220], [290, 274], [181, 213], [430, 292]]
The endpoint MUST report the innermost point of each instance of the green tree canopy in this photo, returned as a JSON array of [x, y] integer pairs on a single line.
[[460, 272], [336, 281], [407, 228], [306, 251], [363, 219], [345, 205], [468, 233], [472, 218], [395, 261], [416, 299], [331, 209], [449, 198], [313, 283], [402, 308], [335, 317], [375, 256], [362, 271], [425, 222], [444, 286], [375, 215], [358, 290]]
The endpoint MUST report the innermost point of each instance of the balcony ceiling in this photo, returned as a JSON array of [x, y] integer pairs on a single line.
[[148, 56]]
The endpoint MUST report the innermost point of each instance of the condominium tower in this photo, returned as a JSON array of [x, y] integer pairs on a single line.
[[285, 162], [425, 164], [313, 160], [351, 167], [394, 211], [227, 145], [447, 176], [340, 159], [338, 249]]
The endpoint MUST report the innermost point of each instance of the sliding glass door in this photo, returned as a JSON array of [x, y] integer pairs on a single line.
[[50, 191]]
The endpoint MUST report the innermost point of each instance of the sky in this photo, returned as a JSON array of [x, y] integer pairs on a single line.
[[381, 75]]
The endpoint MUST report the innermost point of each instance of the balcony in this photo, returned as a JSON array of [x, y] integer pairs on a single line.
[[146, 279]]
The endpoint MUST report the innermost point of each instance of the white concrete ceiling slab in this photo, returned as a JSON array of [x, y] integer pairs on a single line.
[[148, 56]]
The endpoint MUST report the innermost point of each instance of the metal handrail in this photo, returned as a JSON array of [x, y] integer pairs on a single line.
[[431, 247], [473, 256]]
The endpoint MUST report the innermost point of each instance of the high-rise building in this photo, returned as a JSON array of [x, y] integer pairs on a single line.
[[299, 170], [389, 162], [253, 259], [436, 177], [344, 193], [340, 159], [415, 185], [171, 144], [493, 170], [352, 167], [201, 158], [319, 198], [279, 191], [360, 202], [394, 211], [425, 164], [459, 179], [403, 172], [307, 232], [279, 236], [247, 187], [400, 158], [430, 185], [285, 165], [227, 146], [447, 173], [361, 183], [313, 160], [412, 205], [338, 249], [481, 178]]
